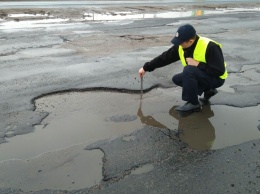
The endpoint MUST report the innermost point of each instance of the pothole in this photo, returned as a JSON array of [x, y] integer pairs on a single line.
[[81, 118], [88, 116]]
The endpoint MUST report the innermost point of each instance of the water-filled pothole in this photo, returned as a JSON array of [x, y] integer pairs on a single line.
[[88, 116], [81, 118]]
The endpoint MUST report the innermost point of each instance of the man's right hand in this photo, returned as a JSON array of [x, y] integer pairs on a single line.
[[141, 72]]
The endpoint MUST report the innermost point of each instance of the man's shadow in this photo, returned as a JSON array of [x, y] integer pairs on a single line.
[[194, 129]]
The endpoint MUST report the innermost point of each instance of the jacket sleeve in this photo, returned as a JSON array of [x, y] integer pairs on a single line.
[[162, 60], [215, 61]]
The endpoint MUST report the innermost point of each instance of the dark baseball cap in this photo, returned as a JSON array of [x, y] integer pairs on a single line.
[[183, 34]]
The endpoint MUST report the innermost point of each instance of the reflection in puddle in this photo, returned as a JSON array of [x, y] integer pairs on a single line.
[[196, 129], [81, 118], [205, 130]]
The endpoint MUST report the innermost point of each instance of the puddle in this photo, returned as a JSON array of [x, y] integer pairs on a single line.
[[49, 21], [180, 13], [27, 15], [40, 23], [81, 118], [68, 169], [218, 126], [85, 117]]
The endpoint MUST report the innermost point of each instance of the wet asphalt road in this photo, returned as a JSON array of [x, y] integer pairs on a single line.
[[34, 62]]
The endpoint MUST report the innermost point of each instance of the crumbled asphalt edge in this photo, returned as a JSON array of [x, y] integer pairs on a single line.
[[235, 169], [156, 145], [31, 118], [243, 95], [140, 137], [167, 145], [95, 89], [36, 119], [10, 191]]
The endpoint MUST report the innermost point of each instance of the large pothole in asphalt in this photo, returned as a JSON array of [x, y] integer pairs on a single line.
[[77, 119]]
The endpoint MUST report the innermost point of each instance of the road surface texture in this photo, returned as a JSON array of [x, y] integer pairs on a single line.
[[72, 120]]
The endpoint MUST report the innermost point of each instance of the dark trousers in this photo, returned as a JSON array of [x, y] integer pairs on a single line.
[[194, 82]]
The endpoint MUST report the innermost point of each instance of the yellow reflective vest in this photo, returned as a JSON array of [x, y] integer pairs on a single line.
[[200, 53]]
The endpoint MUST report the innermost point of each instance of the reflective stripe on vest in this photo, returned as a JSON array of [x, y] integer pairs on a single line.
[[200, 53]]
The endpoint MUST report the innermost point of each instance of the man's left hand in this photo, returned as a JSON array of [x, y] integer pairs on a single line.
[[191, 61]]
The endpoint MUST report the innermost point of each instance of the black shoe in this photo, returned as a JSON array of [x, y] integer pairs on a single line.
[[208, 95], [188, 107]]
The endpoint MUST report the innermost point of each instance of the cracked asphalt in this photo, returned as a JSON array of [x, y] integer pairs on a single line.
[[38, 61]]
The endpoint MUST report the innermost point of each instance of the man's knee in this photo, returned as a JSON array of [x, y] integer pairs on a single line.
[[177, 79], [174, 79], [189, 69]]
